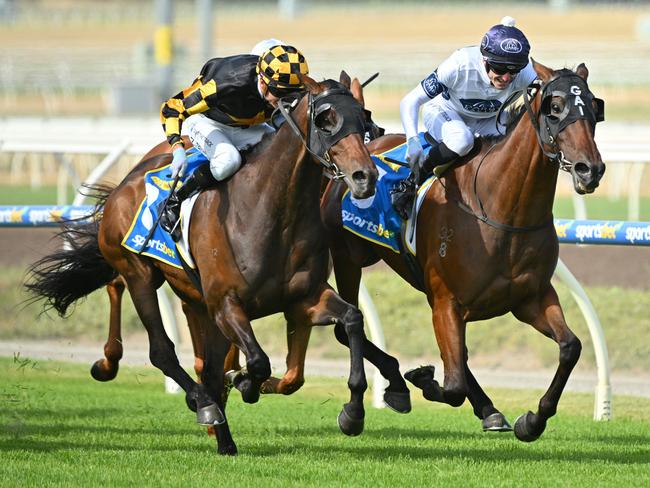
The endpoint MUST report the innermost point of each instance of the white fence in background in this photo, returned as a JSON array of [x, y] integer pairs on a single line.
[[26, 142]]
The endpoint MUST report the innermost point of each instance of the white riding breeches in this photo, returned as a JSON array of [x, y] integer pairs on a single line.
[[221, 143], [448, 126]]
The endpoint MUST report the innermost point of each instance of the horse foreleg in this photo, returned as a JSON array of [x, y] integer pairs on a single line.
[[324, 308], [214, 348], [545, 314], [297, 341], [348, 279], [236, 327], [449, 328], [106, 369]]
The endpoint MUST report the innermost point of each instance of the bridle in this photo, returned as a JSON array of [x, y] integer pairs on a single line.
[[318, 142], [572, 88]]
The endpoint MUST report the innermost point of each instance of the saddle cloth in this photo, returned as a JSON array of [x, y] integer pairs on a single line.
[[161, 246], [374, 218]]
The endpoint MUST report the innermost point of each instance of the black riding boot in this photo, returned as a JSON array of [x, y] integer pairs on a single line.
[[403, 196], [199, 180]]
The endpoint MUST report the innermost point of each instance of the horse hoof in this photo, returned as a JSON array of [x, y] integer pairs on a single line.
[[102, 374], [250, 392], [209, 415], [349, 425], [523, 428], [496, 423], [421, 377], [241, 380], [229, 450], [398, 401]]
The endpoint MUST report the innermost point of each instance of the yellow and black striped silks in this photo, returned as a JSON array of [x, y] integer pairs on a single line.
[[281, 65], [225, 91]]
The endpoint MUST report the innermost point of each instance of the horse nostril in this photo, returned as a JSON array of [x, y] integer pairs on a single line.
[[582, 169], [359, 177]]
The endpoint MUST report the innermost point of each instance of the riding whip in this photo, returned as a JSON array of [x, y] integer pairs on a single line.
[[369, 80]]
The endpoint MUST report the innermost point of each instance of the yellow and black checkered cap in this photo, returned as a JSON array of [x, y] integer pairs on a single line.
[[280, 66]]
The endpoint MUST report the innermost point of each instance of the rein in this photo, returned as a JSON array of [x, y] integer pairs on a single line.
[[563, 163]]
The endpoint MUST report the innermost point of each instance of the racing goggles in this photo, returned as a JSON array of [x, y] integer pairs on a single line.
[[502, 69]]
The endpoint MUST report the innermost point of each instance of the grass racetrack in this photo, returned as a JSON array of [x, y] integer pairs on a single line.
[[61, 428]]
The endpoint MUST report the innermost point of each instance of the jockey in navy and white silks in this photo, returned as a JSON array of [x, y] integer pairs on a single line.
[[461, 98]]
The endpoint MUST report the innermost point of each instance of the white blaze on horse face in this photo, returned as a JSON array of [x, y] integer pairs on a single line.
[[575, 90]]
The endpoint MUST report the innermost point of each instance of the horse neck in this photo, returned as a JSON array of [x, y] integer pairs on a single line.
[[519, 180], [291, 181]]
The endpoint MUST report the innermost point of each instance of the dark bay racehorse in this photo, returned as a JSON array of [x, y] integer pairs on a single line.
[[106, 369], [259, 246], [486, 243]]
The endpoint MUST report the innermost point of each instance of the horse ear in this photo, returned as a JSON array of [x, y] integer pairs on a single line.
[[357, 91], [582, 71], [543, 72], [311, 85], [345, 79]]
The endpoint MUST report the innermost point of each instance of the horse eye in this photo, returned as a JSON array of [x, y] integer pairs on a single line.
[[556, 107], [324, 120]]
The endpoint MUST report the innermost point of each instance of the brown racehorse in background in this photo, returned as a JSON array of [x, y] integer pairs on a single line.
[[486, 243], [259, 246]]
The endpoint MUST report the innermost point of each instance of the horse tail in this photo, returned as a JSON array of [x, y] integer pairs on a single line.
[[78, 269]]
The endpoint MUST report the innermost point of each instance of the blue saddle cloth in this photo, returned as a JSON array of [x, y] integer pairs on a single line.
[[374, 218], [158, 183]]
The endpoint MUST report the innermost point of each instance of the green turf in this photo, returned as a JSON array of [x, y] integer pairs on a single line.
[[61, 428], [26, 195], [405, 316], [601, 208]]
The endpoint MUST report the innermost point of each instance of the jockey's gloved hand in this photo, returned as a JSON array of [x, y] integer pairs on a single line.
[[179, 163], [414, 151]]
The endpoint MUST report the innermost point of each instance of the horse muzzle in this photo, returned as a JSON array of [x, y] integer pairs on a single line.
[[586, 176], [362, 183]]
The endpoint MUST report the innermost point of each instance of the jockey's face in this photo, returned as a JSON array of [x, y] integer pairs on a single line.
[[499, 81], [266, 93]]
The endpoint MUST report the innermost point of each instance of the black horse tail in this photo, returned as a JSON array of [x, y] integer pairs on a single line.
[[77, 270]]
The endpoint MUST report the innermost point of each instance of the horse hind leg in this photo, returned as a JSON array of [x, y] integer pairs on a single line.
[[106, 369], [142, 288], [546, 316], [492, 420]]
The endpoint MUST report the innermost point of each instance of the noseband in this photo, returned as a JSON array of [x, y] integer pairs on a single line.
[[578, 105], [319, 140]]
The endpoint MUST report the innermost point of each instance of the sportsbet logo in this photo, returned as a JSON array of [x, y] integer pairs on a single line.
[[596, 231], [637, 233], [159, 246], [367, 225], [561, 229]]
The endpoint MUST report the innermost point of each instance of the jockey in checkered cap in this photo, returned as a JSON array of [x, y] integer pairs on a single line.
[[225, 110], [461, 99]]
